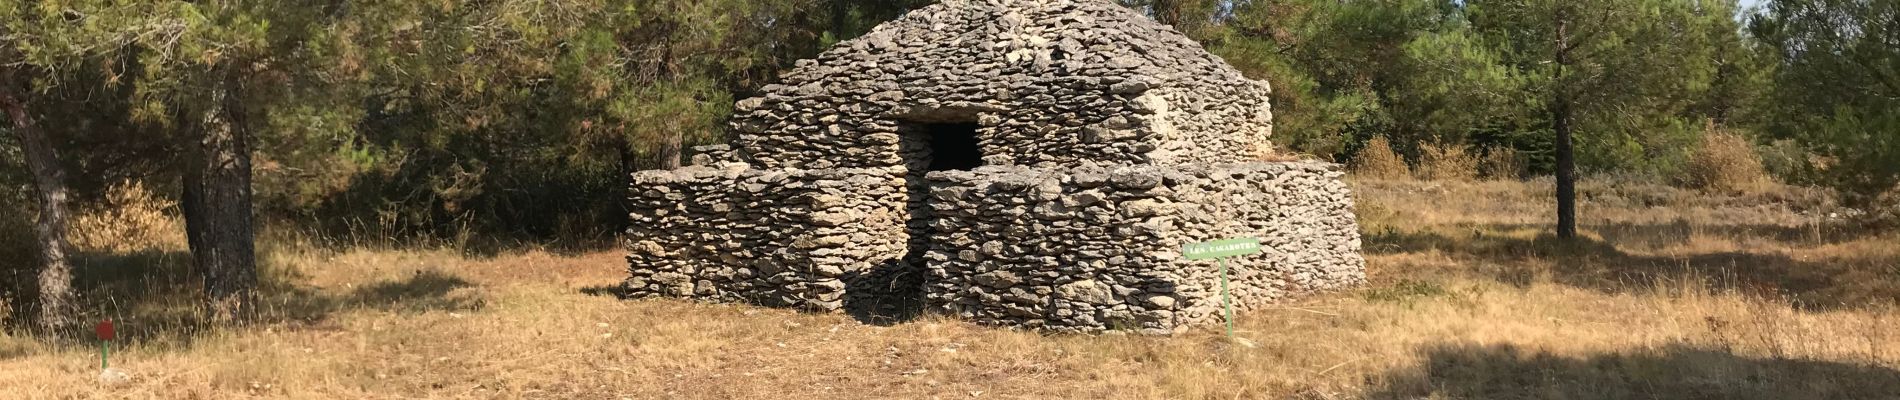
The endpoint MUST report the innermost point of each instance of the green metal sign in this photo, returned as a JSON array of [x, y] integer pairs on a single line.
[[1221, 248]]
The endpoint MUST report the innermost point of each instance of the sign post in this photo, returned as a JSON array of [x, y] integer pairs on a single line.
[[1220, 250], [105, 332]]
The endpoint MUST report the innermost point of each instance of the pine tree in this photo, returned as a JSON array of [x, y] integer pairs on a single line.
[[1596, 63], [1836, 87], [38, 44]]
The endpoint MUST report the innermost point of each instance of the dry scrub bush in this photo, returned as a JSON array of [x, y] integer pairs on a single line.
[[1446, 162], [1886, 210], [1725, 162], [1378, 161], [1502, 163], [131, 220]]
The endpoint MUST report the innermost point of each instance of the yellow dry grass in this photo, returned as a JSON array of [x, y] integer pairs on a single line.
[[1675, 294]]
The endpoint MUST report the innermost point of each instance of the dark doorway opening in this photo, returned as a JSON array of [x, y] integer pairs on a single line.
[[953, 147], [893, 291]]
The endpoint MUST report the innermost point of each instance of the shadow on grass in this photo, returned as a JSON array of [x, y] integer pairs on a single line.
[[1679, 232], [1469, 371], [885, 295], [618, 291], [428, 290], [1823, 283], [155, 298]]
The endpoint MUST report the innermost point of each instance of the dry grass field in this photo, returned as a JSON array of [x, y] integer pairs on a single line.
[[1673, 295]]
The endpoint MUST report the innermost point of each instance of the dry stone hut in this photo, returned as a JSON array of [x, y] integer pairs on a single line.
[[1031, 163]]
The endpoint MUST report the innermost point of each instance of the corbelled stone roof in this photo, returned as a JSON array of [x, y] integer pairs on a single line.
[[1051, 82], [990, 39]]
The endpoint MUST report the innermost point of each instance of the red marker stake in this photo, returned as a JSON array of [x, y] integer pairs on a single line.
[[104, 330]]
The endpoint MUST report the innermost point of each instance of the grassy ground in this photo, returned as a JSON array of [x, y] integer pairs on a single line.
[[1674, 294]]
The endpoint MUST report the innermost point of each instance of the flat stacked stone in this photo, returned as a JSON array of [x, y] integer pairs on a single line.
[[789, 237], [1053, 83], [1108, 141], [1097, 248]]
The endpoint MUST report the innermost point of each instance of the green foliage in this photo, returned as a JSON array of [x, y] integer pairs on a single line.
[[1479, 72], [1637, 71], [1456, 87], [1836, 88], [1187, 16], [521, 119], [1864, 146], [1316, 55], [426, 118]]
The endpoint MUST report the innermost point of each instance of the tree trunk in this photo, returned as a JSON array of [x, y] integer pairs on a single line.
[[1560, 122], [670, 150], [629, 161], [218, 220], [49, 180]]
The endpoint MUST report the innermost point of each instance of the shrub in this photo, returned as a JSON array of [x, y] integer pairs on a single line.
[[1788, 161], [1886, 209], [1378, 161], [130, 220], [1446, 161], [1725, 162], [1502, 163]]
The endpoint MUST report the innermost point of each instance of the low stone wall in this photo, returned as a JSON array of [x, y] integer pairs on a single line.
[[1096, 248], [1074, 250], [792, 238], [713, 155]]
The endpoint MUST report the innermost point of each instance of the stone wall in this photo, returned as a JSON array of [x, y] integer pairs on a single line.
[[1053, 83], [1193, 127], [1109, 141], [790, 237], [1096, 248], [712, 155]]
